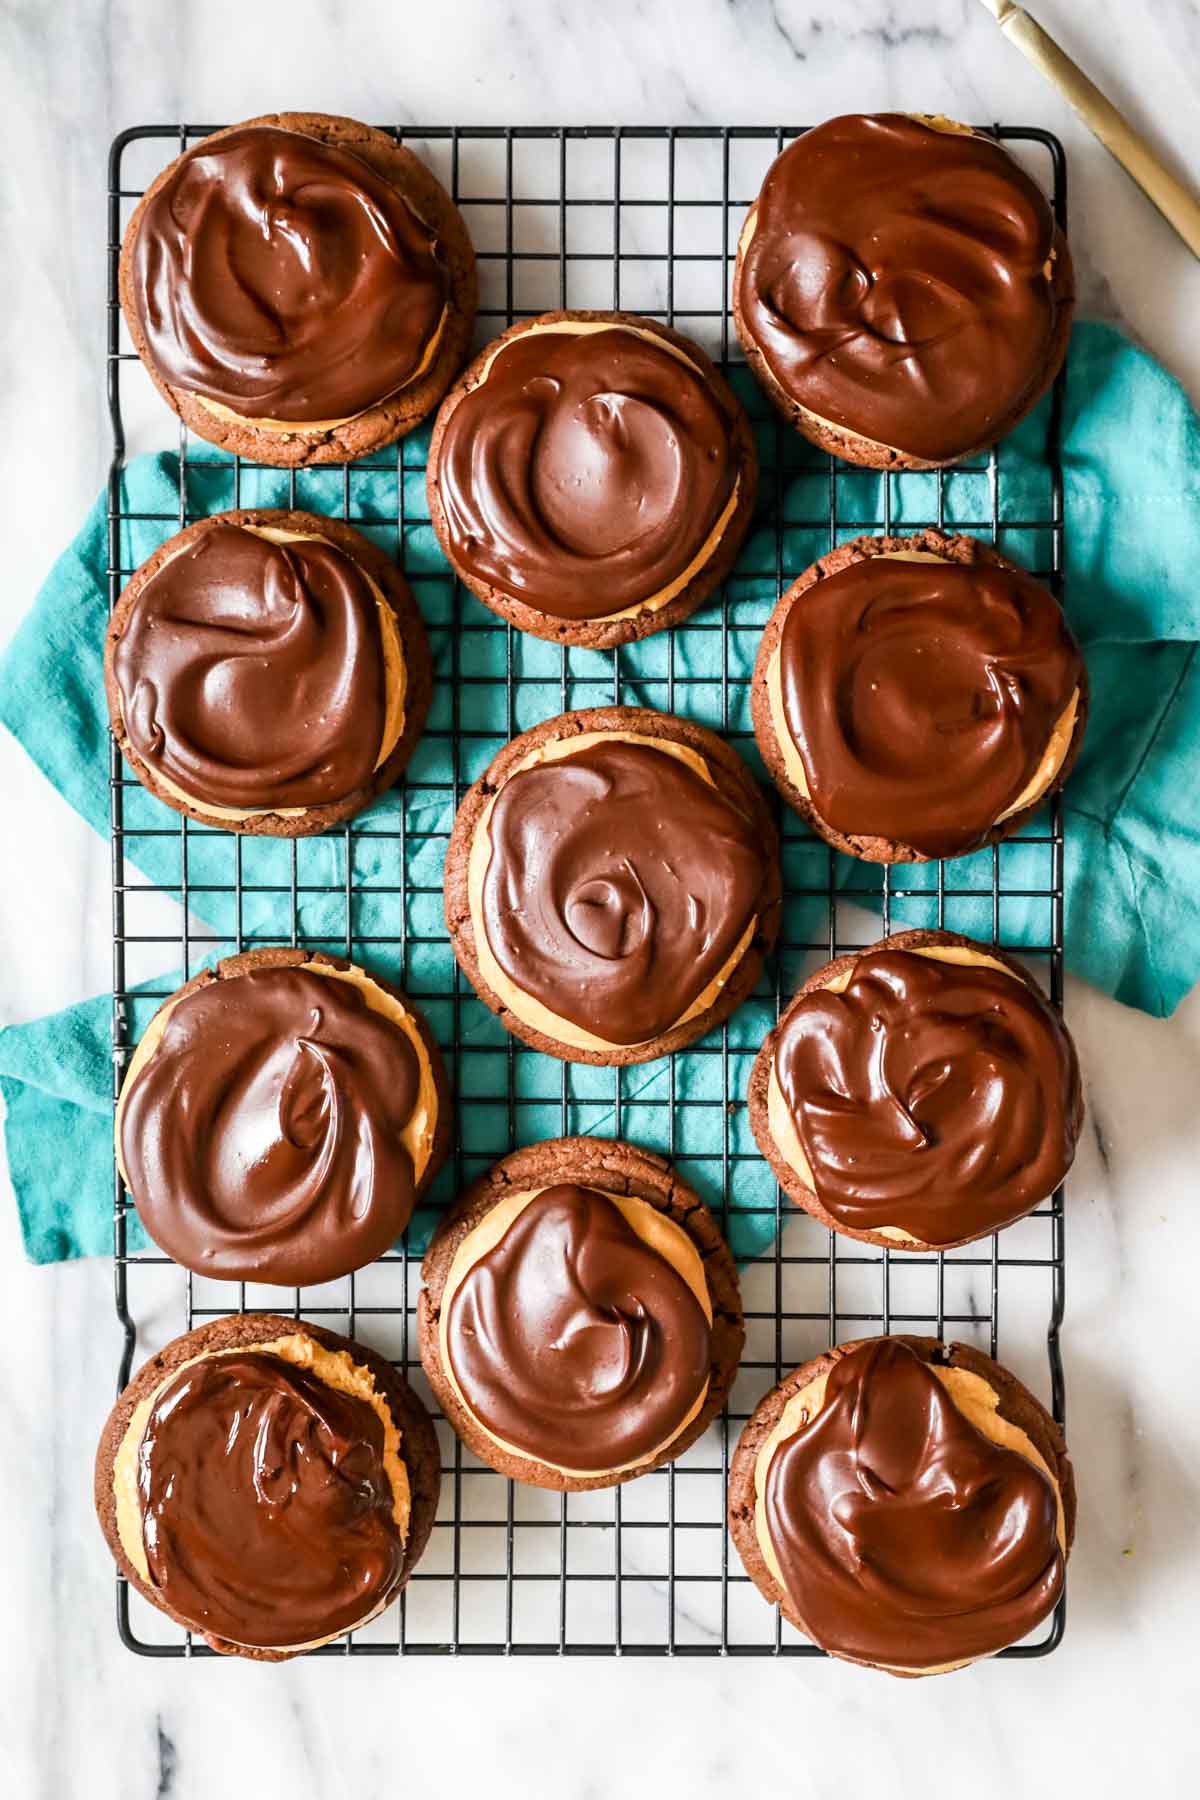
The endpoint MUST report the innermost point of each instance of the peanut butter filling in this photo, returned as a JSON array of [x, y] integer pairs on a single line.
[[974, 1398], [663, 596], [418, 1135], [659, 1232], [337, 1369], [857, 443], [529, 1010], [395, 676], [315, 427], [1039, 783], [779, 1117]]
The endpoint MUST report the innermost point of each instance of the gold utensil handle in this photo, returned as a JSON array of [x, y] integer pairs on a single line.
[[1131, 150]]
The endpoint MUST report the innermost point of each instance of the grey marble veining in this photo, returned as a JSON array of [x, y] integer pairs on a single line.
[[1116, 1709]]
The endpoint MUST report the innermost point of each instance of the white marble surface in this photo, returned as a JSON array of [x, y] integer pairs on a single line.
[[1117, 1709]]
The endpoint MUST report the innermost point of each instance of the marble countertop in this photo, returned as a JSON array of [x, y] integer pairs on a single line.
[[1117, 1708]]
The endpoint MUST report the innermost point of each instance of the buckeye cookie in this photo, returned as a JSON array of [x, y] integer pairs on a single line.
[[908, 1504], [591, 477], [280, 1117], [917, 697], [919, 1094], [580, 1321], [902, 290], [267, 1484], [267, 672], [301, 288], [612, 884]]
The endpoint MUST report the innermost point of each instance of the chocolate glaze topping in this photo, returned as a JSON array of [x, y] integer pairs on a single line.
[[251, 673], [922, 696], [938, 1097], [282, 277], [586, 473], [266, 1507], [574, 1341], [904, 1535], [896, 282], [619, 884], [262, 1138]]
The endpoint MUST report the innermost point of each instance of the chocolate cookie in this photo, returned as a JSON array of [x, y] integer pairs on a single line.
[[273, 1491], [591, 477], [917, 697], [902, 290], [918, 1095], [591, 1331], [267, 672], [916, 1509], [280, 1118], [612, 884], [300, 288]]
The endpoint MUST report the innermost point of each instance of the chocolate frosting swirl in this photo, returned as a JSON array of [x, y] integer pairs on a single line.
[[922, 697], [619, 884], [251, 672], [284, 278], [937, 1097], [262, 1139], [586, 473], [904, 1534], [573, 1340], [267, 1510], [896, 282]]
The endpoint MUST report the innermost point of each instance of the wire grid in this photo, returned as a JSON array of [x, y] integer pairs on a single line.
[[645, 219]]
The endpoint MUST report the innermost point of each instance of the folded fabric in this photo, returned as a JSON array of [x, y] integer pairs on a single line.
[[1131, 465], [58, 1131]]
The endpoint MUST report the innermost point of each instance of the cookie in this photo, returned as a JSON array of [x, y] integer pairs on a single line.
[[280, 1118], [612, 884], [267, 672], [300, 288], [917, 697], [909, 1505], [579, 1321], [286, 1508], [591, 477], [902, 290], [918, 1095]]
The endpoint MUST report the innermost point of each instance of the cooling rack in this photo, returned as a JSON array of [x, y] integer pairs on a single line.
[[645, 219]]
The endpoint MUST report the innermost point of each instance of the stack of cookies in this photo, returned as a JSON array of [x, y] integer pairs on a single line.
[[302, 291]]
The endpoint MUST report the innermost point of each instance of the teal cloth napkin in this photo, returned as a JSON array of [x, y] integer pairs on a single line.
[[1132, 502]]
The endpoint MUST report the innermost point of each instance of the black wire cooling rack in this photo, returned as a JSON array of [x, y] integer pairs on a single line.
[[647, 220]]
